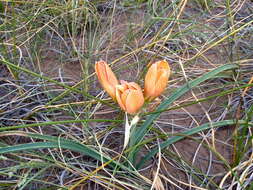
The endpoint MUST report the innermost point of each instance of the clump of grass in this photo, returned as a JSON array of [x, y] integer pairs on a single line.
[[59, 130]]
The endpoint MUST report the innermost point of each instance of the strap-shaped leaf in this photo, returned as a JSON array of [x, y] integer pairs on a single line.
[[189, 132], [143, 129], [57, 142]]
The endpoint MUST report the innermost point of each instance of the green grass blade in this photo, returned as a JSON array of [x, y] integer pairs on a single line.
[[62, 143], [3, 128], [140, 132], [184, 134], [18, 68], [223, 93], [57, 142]]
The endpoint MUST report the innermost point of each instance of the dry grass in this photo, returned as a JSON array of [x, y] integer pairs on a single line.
[[55, 118]]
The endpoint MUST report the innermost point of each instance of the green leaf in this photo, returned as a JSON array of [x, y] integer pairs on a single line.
[[57, 142], [177, 94], [1, 7], [2, 128], [143, 129], [180, 136]]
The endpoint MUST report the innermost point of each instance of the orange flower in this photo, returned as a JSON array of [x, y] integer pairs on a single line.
[[106, 78], [156, 79], [129, 97]]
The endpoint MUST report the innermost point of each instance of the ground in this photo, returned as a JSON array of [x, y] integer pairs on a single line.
[[58, 126]]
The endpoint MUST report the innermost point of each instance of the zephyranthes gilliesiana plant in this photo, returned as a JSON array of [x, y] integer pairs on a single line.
[[129, 95]]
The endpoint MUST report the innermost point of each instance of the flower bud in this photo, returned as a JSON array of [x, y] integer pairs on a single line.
[[156, 79], [129, 97], [106, 78]]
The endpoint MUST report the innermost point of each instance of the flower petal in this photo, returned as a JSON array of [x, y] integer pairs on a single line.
[[111, 78], [118, 96], [134, 86], [161, 84], [100, 70], [134, 101], [150, 80], [163, 65], [106, 78], [158, 72], [124, 96]]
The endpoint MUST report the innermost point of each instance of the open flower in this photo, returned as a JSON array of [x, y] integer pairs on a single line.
[[156, 79], [106, 78], [129, 97]]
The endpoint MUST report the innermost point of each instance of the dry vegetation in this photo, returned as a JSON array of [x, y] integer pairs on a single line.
[[60, 130]]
